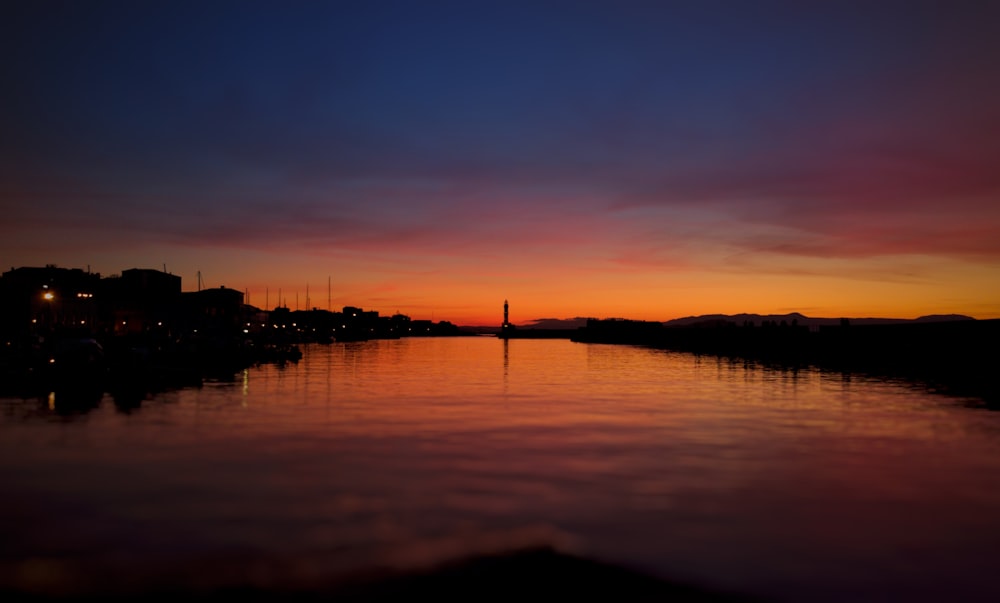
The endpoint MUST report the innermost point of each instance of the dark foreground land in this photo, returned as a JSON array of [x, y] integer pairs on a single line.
[[532, 574], [956, 357]]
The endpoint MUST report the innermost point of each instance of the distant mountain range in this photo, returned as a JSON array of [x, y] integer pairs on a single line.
[[801, 319], [739, 319]]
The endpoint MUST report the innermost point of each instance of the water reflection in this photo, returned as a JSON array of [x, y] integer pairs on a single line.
[[789, 483], [506, 361], [71, 401]]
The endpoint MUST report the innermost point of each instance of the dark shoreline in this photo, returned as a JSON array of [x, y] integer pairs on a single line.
[[958, 357]]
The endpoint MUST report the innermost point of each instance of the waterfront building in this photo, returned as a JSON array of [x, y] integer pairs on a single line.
[[38, 300], [140, 300], [219, 309]]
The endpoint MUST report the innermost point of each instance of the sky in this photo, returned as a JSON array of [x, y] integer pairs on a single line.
[[646, 160]]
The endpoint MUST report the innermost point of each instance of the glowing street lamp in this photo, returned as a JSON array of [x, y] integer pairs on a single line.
[[47, 310]]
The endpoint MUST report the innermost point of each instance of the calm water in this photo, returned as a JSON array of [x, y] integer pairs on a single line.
[[791, 485]]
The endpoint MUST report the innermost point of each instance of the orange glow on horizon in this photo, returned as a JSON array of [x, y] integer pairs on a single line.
[[470, 290], [641, 298], [471, 295]]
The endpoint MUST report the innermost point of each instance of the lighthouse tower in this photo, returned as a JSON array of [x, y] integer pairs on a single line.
[[506, 328]]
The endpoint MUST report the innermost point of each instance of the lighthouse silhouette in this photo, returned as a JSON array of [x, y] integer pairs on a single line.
[[506, 327]]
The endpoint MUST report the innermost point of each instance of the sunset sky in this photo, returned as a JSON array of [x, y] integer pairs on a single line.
[[648, 160]]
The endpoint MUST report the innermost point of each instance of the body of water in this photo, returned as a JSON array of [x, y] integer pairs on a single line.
[[788, 485]]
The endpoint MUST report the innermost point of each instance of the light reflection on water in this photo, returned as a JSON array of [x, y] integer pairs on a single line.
[[789, 484]]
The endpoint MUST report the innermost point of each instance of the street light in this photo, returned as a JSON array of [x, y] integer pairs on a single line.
[[47, 309]]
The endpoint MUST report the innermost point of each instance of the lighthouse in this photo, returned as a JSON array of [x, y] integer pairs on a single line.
[[506, 328]]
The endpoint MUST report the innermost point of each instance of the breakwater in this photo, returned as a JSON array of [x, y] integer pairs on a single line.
[[959, 357]]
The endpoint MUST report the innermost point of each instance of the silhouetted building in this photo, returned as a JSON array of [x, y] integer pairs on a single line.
[[357, 325], [39, 300], [420, 328], [141, 300], [399, 325], [214, 309], [152, 284]]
